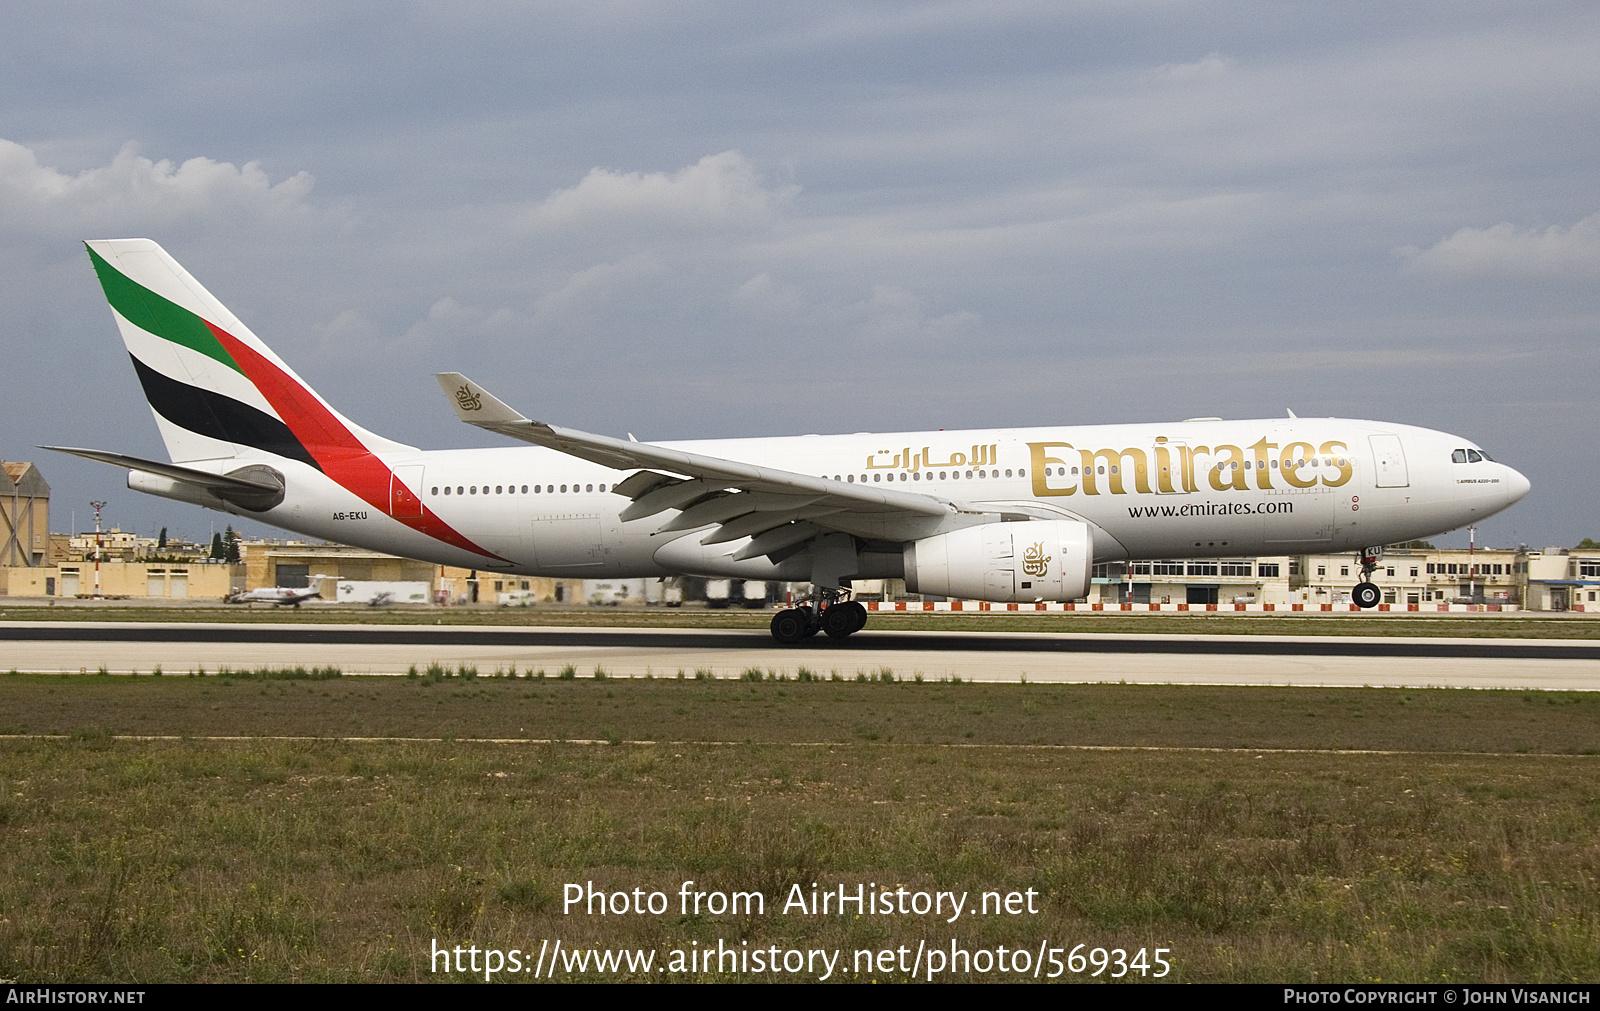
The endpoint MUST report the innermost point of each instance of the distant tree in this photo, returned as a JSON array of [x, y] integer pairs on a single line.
[[230, 540], [217, 551], [1423, 545], [1588, 544], [161, 539]]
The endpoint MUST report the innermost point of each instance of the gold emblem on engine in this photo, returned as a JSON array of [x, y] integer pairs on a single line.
[[1034, 561]]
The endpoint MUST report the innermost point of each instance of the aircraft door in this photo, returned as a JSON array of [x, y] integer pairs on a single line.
[[1389, 458], [1167, 470], [403, 502]]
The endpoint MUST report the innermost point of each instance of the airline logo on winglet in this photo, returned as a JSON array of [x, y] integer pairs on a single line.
[[468, 400]]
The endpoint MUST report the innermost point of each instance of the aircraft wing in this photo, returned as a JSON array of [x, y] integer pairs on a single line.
[[780, 509]]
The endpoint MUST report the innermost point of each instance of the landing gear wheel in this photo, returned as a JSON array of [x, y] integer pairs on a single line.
[[839, 621], [790, 625], [860, 612], [1366, 595]]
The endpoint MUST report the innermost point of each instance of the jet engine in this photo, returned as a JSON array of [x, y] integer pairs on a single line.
[[1019, 562]]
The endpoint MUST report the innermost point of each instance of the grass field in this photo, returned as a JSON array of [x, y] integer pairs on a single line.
[[1480, 625], [1456, 836]]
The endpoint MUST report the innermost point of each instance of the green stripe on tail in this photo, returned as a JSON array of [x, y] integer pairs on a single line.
[[152, 313]]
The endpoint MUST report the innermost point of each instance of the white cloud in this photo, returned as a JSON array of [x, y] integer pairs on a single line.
[[1507, 251], [132, 191], [720, 191], [761, 294], [1210, 65], [896, 314], [599, 284]]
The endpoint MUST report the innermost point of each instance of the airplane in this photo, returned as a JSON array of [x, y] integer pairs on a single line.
[[282, 596], [1003, 515]]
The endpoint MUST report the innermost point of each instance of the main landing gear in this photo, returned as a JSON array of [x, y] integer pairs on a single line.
[[825, 611], [1366, 593]]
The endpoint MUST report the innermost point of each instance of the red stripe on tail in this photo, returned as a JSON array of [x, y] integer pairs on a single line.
[[335, 448]]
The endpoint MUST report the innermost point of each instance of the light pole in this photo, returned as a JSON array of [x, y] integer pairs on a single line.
[[98, 547]]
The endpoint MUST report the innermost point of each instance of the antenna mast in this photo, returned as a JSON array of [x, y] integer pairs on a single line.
[[99, 546]]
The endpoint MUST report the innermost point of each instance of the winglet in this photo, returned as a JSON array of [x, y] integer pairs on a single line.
[[476, 405]]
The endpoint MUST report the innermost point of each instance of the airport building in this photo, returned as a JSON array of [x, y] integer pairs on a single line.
[[1411, 578], [24, 516]]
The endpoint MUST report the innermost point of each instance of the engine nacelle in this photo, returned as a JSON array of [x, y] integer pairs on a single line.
[[1019, 562]]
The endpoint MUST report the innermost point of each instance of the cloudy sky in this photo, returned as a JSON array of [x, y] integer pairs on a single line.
[[717, 219]]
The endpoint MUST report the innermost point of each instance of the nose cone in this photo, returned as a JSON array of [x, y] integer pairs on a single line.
[[1516, 486]]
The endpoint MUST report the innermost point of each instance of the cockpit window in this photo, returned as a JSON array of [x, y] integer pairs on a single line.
[[1485, 454], [1459, 456], [1473, 456]]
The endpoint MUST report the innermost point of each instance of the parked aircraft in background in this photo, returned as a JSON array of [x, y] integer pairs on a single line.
[[283, 596], [1005, 515]]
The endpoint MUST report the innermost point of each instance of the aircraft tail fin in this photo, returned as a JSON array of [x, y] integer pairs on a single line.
[[216, 390]]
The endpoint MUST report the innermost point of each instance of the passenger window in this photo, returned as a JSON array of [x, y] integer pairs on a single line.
[[1459, 456]]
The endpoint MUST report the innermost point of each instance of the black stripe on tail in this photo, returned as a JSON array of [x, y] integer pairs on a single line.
[[218, 417]]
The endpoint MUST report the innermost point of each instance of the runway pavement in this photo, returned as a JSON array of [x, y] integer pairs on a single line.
[[69, 647]]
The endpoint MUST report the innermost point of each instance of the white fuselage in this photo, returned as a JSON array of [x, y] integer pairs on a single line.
[[1196, 488]]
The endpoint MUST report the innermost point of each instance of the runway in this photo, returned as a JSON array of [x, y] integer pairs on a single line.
[[72, 647]]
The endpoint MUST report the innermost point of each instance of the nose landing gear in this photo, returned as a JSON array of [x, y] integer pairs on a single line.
[[1366, 593], [824, 611]]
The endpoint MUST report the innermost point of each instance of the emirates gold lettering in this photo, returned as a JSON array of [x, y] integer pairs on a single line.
[[1179, 467], [1337, 452], [1291, 463], [1262, 456], [1228, 471], [1039, 456]]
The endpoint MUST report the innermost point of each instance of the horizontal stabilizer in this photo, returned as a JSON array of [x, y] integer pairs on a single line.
[[255, 487]]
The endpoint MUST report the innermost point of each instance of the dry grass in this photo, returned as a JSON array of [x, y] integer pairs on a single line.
[[565, 706], [327, 860]]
